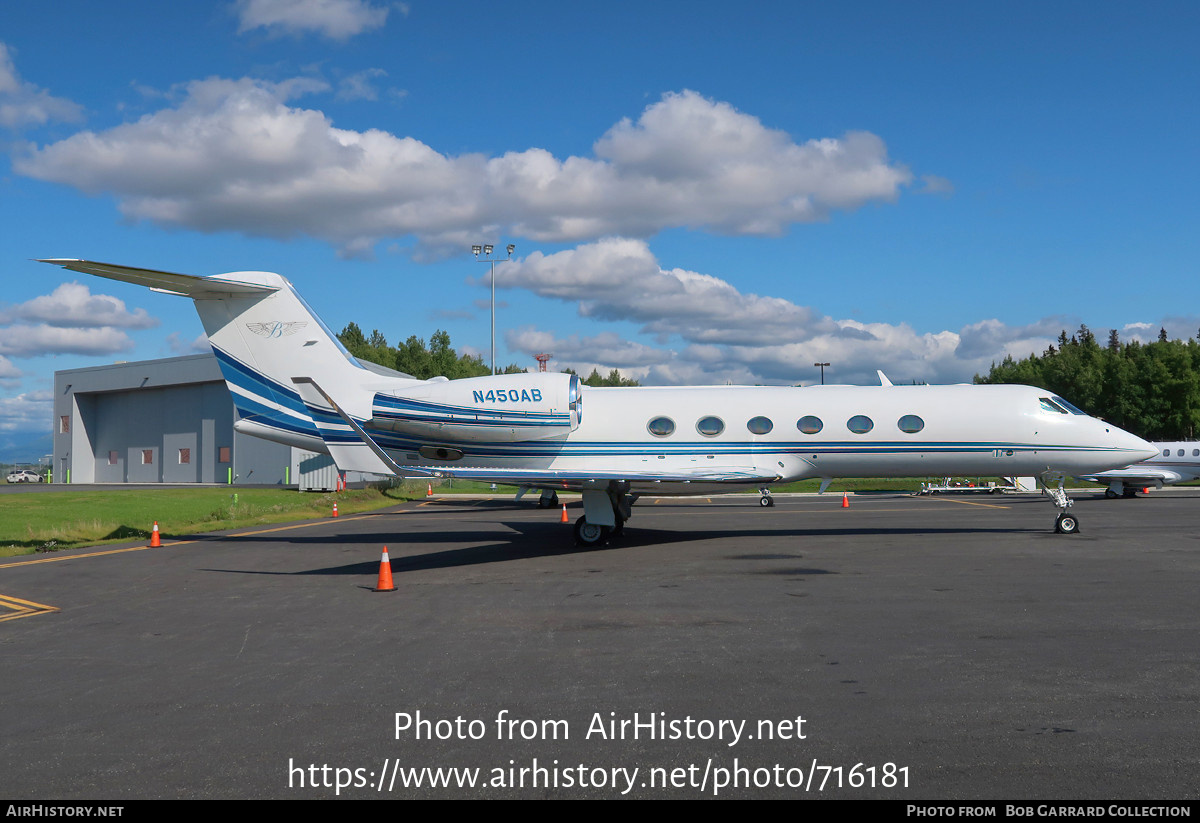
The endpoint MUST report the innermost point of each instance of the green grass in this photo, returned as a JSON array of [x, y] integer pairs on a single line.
[[95, 515]]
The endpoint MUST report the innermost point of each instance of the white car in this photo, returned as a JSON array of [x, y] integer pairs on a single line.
[[25, 476]]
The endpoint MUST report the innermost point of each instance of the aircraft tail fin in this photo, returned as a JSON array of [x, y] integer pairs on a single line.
[[263, 334]]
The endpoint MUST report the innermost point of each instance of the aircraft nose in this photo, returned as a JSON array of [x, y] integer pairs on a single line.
[[1136, 446]]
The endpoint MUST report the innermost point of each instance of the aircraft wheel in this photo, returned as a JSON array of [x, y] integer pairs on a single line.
[[589, 534], [766, 502], [1066, 524], [1110, 494], [1129, 493]]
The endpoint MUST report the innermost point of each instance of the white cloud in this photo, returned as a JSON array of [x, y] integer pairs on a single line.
[[33, 341], [178, 346], [619, 278], [934, 184], [358, 86], [336, 19], [234, 156], [24, 104], [7, 370], [712, 333], [30, 411], [73, 304], [607, 349]]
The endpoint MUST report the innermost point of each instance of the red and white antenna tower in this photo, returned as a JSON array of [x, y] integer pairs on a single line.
[[542, 360]]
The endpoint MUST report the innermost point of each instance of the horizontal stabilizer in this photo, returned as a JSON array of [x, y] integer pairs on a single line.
[[188, 285]]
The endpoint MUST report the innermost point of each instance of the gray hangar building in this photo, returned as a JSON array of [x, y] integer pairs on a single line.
[[166, 421]]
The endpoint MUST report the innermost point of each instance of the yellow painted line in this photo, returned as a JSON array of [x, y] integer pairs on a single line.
[[22, 608], [939, 499], [59, 558]]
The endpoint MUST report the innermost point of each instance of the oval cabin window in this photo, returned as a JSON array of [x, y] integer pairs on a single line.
[[809, 424], [910, 424], [860, 424], [661, 426], [760, 425], [710, 426]]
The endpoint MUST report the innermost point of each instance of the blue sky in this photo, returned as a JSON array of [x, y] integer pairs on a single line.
[[698, 192]]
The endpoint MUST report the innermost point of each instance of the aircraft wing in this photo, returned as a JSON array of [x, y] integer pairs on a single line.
[[569, 478], [188, 285], [1137, 475]]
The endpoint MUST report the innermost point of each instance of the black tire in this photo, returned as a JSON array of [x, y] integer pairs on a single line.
[[1110, 494], [588, 534], [1066, 524], [765, 502]]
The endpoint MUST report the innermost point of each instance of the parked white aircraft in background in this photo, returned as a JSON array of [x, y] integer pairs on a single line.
[[1174, 462], [293, 382]]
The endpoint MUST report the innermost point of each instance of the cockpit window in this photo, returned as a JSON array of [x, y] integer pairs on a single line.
[[1068, 406], [1050, 405]]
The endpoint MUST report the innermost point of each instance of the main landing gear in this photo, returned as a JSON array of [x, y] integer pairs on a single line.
[[1065, 523], [605, 511], [548, 499], [1118, 489]]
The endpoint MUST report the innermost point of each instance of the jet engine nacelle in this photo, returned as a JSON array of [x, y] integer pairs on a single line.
[[507, 408]]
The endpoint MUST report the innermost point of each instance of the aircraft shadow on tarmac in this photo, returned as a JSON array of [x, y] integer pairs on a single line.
[[543, 539]]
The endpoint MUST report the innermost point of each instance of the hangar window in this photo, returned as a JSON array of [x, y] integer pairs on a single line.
[[710, 426], [661, 426], [809, 424], [223, 454], [760, 425], [910, 424], [860, 424], [185, 456], [64, 424], [112, 458], [147, 457]]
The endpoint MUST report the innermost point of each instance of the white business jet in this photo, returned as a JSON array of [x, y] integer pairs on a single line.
[[293, 382], [1174, 462]]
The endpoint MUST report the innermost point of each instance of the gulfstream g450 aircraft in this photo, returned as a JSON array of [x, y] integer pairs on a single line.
[[293, 382]]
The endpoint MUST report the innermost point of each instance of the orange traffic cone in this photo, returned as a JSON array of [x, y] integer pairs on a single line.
[[845, 500], [564, 515], [429, 490], [385, 574], [335, 508], [155, 540]]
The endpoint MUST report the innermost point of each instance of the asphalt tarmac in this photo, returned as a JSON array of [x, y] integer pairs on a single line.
[[903, 647]]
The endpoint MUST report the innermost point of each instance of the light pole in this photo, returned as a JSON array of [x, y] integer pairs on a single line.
[[822, 365], [486, 248]]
